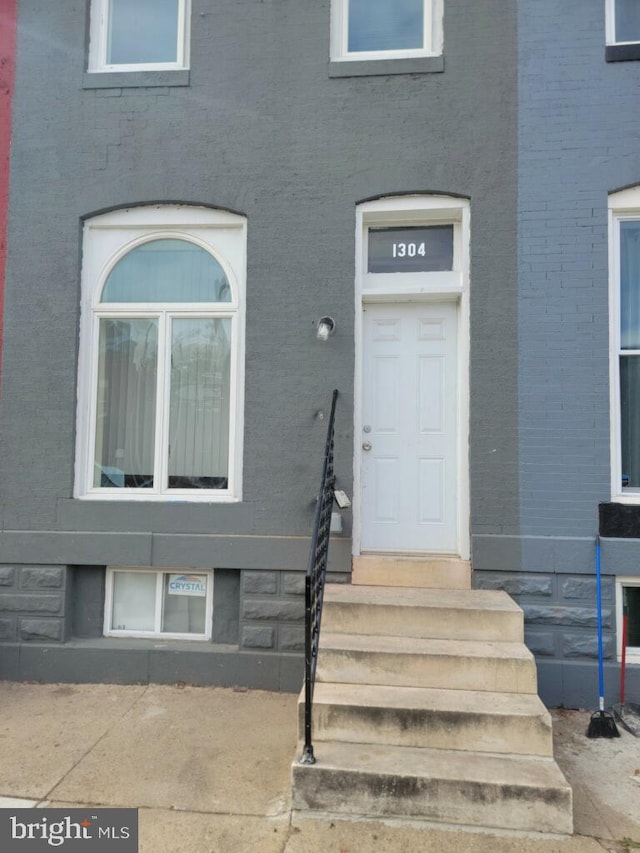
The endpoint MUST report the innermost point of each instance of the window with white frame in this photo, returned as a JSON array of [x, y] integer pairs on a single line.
[[139, 35], [623, 22], [624, 249], [628, 618], [171, 603], [161, 354], [385, 29]]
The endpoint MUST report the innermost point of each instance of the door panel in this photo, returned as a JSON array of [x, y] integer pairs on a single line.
[[409, 465]]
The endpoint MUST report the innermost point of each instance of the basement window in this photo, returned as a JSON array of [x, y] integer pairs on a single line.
[[628, 598], [172, 603]]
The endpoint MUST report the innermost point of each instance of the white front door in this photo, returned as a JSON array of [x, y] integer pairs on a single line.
[[409, 439]]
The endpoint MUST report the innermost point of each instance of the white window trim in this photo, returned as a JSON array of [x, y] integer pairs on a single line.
[[633, 652], [98, 35], [624, 206], [433, 36], [157, 634], [107, 238], [610, 20], [379, 287]]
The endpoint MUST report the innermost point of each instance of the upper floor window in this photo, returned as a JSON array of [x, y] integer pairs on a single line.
[[139, 35], [160, 385], [386, 29], [624, 261], [623, 30]]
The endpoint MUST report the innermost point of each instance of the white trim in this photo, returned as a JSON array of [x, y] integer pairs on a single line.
[[98, 37], [425, 210], [107, 238], [432, 29], [610, 25], [633, 652], [624, 206], [157, 633]]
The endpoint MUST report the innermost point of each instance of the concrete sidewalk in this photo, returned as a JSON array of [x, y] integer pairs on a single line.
[[208, 769]]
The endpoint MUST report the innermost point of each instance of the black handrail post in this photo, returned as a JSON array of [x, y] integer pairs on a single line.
[[315, 581]]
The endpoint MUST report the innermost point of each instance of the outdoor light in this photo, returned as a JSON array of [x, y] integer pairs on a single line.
[[326, 327]]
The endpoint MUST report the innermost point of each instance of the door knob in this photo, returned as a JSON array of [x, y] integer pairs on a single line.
[[366, 445]]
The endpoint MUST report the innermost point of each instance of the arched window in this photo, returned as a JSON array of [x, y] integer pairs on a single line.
[[161, 353]]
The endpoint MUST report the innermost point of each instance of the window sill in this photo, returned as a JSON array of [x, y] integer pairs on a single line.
[[380, 67], [134, 79], [622, 52]]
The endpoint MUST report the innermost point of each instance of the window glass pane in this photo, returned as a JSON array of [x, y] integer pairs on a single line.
[[184, 604], [630, 285], [199, 403], [134, 598], [630, 419], [386, 25], [428, 249], [167, 271], [126, 403], [627, 20], [632, 594], [142, 31]]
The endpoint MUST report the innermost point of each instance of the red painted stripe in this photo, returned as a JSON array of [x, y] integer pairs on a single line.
[[8, 13]]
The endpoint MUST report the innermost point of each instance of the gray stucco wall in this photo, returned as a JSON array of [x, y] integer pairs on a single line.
[[263, 126], [261, 129]]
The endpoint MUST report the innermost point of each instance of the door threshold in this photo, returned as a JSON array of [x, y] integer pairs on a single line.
[[437, 571]]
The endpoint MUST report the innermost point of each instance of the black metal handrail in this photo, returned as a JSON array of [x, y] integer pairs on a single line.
[[315, 581]]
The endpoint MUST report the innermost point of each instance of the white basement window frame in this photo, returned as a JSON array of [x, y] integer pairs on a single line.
[[131, 424], [633, 651], [343, 41], [105, 15], [157, 603], [614, 20], [624, 343]]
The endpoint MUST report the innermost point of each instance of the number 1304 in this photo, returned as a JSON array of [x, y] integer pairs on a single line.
[[408, 250]]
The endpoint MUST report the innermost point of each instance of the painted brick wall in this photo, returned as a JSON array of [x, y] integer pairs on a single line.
[[578, 139]]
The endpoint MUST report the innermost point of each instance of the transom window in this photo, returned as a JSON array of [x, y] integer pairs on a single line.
[[625, 342], [379, 29], [137, 35], [623, 21], [160, 393], [173, 603]]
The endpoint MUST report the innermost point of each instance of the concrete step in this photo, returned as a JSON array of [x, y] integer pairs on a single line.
[[442, 572], [464, 788], [418, 662], [451, 614], [476, 721]]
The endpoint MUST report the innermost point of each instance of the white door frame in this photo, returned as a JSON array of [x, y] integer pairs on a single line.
[[416, 287]]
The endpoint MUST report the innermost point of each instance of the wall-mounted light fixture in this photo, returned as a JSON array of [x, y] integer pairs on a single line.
[[326, 327]]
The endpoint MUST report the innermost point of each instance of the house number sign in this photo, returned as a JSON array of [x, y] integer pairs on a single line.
[[412, 249]]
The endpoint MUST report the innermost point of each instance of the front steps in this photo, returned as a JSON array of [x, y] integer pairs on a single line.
[[426, 708]]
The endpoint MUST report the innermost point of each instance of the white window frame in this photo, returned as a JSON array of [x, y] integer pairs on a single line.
[[98, 38], [452, 285], [633, 652], [610, 17], [432, 45], [157, 633], [624, 206], [107, 238]]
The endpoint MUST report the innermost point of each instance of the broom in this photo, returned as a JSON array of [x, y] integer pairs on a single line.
[[602, 723]]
